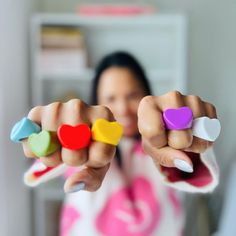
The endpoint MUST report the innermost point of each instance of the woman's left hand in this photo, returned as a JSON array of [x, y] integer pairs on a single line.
[[167, 147]]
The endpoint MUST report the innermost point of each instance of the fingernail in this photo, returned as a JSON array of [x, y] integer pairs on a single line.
[[183, 165], [76, 188]]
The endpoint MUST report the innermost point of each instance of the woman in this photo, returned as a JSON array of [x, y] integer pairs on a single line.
[[133, 199]]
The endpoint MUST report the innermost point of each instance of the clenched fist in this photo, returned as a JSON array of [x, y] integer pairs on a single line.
[[96, 157], [167, 147]]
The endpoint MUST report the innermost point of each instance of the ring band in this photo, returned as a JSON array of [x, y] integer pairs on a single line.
[[44, 143], [107, 132], [23, 129], [206, 128]]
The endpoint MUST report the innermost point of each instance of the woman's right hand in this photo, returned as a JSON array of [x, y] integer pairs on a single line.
[[96, 157]]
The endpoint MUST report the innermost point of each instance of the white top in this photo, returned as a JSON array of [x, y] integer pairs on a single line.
[[135, 200]]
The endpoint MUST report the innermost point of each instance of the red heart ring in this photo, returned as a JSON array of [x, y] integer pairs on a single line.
[[74, 137]]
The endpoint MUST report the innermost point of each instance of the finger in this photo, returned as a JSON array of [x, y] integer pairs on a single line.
[[91, 178], [150, 122], [97, 112], [195, 103], [210, 110], [100, 154], [26, 149], [169, 157], [74, 112], [198, 145], [211, 113], [74, 157], [48, 118], [35, 115], [53, 159], [177, 139], [180, 139]]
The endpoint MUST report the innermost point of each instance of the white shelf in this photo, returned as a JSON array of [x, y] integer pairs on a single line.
[[67, 75], [153, 75], [162, 20]]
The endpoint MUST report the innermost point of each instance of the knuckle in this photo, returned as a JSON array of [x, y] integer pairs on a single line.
[[53, 109], [199, 146], [147, 100], [76, 106], [103, 112], [202, 146], [152, 133], [173, 94], [194, 99], [211, 107], [101, 158], [180, 141], [74, 161], [99, 162], [51, 115], [163, 160], [55, 105], [34, 112], [50, 162]]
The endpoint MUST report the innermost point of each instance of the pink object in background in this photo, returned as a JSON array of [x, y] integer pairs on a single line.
[[70, 217], [131, 211], [114, 10]]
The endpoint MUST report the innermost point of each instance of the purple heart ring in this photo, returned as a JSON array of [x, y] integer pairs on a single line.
[[178, 119]]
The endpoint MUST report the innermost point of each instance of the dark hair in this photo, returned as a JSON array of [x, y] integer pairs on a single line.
[[123, 60], [119, 59]]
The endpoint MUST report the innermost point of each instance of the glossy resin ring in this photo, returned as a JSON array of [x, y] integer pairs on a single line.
[[107, 132], [206, 128], [178, 119], [44, 143], [23, 129], [74, 137]]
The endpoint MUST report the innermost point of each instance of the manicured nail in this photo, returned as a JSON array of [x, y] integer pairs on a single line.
[[76, 188], [183, 165]]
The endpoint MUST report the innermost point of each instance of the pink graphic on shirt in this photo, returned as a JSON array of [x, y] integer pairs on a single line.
[[130, 211], [69, 216]]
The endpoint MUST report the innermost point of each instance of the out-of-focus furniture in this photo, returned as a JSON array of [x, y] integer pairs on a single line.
[[227, 225]]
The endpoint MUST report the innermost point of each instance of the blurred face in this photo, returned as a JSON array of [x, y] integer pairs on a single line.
[[121, 92]]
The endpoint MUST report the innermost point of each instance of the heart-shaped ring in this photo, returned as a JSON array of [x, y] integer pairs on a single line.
[[23, 129], [178, 119]]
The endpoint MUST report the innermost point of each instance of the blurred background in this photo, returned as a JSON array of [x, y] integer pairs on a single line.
[[48, 49]]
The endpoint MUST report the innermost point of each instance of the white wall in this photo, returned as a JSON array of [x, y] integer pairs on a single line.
[[14, 197]]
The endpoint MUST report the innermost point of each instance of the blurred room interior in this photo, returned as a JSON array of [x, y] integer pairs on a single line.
[[47, 45]]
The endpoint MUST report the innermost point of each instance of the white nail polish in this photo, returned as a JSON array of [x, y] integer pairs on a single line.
[[183, 165], [76, 188]]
